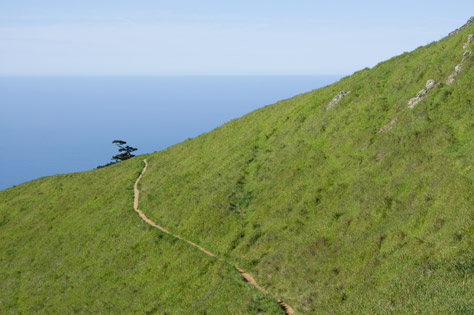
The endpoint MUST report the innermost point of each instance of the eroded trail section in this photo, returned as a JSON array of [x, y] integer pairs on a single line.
[[247, 277]]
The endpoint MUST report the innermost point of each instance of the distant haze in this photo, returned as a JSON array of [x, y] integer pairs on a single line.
[[145, 37], [60, 125]]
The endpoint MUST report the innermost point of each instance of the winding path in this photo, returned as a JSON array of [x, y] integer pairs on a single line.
[[247, 277]]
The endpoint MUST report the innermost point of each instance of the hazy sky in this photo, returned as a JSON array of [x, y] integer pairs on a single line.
[[153, 37]]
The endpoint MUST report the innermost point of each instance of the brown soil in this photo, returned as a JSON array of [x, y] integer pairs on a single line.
[[247, 277]]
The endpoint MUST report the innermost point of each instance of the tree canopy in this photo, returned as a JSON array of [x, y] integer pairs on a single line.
[[125, 151]]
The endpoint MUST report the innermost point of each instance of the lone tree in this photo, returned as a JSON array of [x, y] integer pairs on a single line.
[[125, 151]]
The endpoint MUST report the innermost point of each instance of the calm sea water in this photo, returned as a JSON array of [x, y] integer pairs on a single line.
[[61, 125]]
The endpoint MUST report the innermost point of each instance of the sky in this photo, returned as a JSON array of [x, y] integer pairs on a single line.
[[191, 37]]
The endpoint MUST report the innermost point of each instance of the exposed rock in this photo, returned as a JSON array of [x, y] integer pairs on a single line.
[[467, 52], [388, 126], [430, 84], [422, 94], [453, 75], [415, 100], [470, 38], [454, 32], [337, 98], [450, 79], [469, 22]]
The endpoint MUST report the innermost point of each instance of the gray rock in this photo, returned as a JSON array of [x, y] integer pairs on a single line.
[[422, 93], [467, 52], [415, 100], [469, 22], [453, 75], [430, 84], [458, 68], [450, 79], [454, 32], [470, 38], [337, 98]]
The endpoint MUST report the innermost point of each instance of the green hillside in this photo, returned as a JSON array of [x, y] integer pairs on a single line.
[[72, 244], [366, 206]]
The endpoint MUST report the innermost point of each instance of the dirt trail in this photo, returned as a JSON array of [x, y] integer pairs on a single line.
[[247, 277]]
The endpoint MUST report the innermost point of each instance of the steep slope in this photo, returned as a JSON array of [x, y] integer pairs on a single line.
[[73, 244], [245, 275], [354, 198], [341, 209]]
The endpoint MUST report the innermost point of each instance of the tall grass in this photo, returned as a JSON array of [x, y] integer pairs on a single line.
[[328, 209]]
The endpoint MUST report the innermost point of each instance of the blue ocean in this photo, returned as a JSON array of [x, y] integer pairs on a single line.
[[52, 125]]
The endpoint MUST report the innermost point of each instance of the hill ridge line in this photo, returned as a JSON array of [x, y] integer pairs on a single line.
[[247, 277]]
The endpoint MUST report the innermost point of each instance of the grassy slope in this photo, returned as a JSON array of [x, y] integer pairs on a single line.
[[323, 210], [326, 212], [72, 243]]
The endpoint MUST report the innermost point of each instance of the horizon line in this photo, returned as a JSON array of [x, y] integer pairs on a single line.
[[157, 75]]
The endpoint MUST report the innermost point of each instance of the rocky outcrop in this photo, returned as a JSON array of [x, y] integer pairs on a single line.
[[470, 38], [337, 98], [453, 75], [458, 68], [388, 126], [415, 100], [422, 94], [450, 79], [430, 84], [469, 22]]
